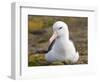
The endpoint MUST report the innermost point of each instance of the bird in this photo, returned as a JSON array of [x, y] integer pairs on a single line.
[[61, 47]]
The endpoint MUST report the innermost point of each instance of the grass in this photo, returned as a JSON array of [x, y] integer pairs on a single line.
[[39, 60], [35, 25]]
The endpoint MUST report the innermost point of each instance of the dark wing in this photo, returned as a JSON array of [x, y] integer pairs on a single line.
[[51, 45]]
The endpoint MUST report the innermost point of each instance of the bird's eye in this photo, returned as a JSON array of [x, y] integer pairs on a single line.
[[60, 28]]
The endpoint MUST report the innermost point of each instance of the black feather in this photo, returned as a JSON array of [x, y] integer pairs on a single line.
[[51, 45]]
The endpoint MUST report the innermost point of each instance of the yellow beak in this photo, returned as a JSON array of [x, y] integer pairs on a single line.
[[53, 37]]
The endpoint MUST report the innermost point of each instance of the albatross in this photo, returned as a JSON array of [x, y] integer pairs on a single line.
[[61, 47]]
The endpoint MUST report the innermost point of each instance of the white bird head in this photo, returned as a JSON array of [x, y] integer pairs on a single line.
[[60, 29]]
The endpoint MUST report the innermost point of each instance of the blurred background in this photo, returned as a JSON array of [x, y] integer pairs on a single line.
[[40, 30]]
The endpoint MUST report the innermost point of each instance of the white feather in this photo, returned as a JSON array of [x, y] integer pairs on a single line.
[[63, 48]]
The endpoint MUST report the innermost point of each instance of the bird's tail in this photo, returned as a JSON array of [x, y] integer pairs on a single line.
[[76, 57]]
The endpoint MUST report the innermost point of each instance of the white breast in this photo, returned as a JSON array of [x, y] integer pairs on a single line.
[[63, 50]]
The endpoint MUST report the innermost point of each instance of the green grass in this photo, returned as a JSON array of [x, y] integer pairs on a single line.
[[39, 60]]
